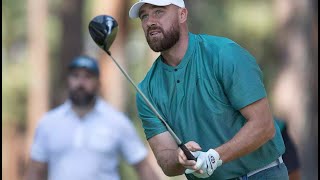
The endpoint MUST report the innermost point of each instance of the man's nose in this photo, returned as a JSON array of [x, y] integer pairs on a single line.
[[152, 21]]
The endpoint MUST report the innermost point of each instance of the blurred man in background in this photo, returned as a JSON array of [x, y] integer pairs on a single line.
[[83, 138]]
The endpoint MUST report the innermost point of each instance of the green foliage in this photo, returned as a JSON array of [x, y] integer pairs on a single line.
[[14, 92], [14, 23], [126, 171]]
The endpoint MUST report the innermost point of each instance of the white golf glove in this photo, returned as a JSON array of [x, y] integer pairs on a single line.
[[206, 161]]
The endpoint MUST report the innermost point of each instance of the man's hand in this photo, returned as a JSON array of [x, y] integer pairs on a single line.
[[207, 163], [193, 147]]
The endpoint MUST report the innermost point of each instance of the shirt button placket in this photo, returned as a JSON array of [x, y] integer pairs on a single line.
[[179, 84], [178, 81]]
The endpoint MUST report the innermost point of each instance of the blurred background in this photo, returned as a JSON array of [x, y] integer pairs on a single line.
[[40, 37]]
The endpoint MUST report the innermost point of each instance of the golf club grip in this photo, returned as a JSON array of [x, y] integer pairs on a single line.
[[187, 152]]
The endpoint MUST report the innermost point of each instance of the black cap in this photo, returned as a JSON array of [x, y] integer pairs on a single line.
[[85, 62]]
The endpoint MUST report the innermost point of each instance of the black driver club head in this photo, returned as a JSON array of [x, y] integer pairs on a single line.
[[103, 30]]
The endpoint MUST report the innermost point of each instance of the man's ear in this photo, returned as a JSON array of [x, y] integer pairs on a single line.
[[183, 15]]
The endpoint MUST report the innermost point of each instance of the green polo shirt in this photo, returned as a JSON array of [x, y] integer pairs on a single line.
[[200, 99]]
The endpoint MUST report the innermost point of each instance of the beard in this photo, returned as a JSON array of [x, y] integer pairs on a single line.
[[80, 98], [169, 39]]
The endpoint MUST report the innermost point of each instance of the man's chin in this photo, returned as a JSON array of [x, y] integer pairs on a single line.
[[82, 102], [155, 46], [155, 50]]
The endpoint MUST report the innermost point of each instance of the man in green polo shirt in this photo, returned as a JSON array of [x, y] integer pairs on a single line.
[[211, 93]]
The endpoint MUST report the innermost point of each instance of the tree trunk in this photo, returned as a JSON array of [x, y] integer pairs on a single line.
[[295, 90], [38, 58], [71, 45]]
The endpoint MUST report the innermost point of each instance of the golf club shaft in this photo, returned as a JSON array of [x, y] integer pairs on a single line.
[[180, 144]]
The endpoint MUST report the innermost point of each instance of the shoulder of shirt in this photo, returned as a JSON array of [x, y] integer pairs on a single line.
[[212, 40], [52, 115], [217, 44], [103, 106], [111, 112]]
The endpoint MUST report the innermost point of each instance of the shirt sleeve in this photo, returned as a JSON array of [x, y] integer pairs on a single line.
[[151, 124], [39, 149], [240, 76], [132, 147]]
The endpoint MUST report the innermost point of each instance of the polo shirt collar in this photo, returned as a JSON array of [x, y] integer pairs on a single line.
[[98, 106], [186, 57]]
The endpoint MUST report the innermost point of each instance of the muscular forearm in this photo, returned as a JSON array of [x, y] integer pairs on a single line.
[[253, 135], [168, 161], [166, 152]]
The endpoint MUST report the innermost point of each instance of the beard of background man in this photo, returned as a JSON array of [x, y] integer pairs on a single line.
[[169, 39], [81, 98]]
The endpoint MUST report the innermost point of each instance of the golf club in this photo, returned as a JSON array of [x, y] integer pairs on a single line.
[[103, 30]]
